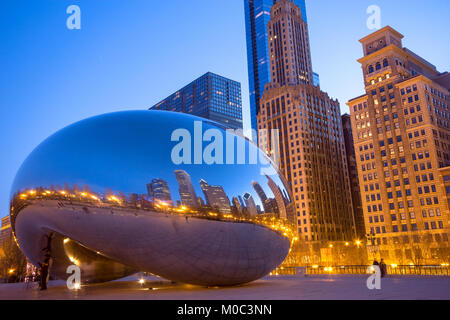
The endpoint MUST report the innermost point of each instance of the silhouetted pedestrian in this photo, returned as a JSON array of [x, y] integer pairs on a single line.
[[44, 276], [383, 268]]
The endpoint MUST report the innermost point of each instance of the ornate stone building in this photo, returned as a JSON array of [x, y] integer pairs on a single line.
[[402, 142]]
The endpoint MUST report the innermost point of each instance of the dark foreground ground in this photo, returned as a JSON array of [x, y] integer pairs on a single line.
[[270, 288]]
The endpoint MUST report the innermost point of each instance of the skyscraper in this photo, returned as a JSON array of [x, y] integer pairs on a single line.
[[250, 205], [237, 205], [311, 144], [211, 97], [158, 189], [5, 230], [186, 189], [216, 197], [257, 16], [353, 175], [279, 198], [401, 135]]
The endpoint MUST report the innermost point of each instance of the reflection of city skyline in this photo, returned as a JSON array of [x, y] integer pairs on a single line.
[[215, 196], [217, 207], [216, 199], [250, 203]]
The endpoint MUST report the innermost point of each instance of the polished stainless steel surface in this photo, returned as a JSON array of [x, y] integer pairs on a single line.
[[153, 191]]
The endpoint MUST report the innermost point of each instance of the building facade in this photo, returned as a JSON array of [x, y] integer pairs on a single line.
[[158, 189], [211, 97], [216, 197], [311, 143], [353, 175], [402, 142], [252, 211], [257, 16], [186, 189], [5, 230]]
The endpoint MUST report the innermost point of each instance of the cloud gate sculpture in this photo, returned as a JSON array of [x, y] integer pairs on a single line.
[[167, 193]]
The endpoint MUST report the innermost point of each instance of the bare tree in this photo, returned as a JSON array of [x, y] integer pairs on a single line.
[[12, 263]]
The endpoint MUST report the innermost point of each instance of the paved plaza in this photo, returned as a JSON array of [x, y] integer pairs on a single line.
[[296, 287]]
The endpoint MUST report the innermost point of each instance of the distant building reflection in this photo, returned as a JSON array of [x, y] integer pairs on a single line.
[[250, 205], [158, 189], [281, 202], [186, 189], [238, 210], [216, 197], [268, 204]]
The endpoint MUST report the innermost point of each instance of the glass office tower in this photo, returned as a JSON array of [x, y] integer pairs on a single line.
[[211, 96], [257, 15]]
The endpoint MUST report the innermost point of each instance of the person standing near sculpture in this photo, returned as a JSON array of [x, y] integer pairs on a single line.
[[383, 268], [45, 266]]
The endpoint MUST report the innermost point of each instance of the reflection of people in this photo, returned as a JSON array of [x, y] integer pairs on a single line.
[[45, 266], [383, 268]]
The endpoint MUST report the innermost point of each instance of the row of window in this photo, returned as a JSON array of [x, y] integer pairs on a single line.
[[408, 90], [404, 227], [378, 66]]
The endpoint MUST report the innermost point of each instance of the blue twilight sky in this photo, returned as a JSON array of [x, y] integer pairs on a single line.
[[130, 54]]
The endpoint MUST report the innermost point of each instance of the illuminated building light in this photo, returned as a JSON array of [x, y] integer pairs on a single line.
[[66, 240], [74, 261]]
